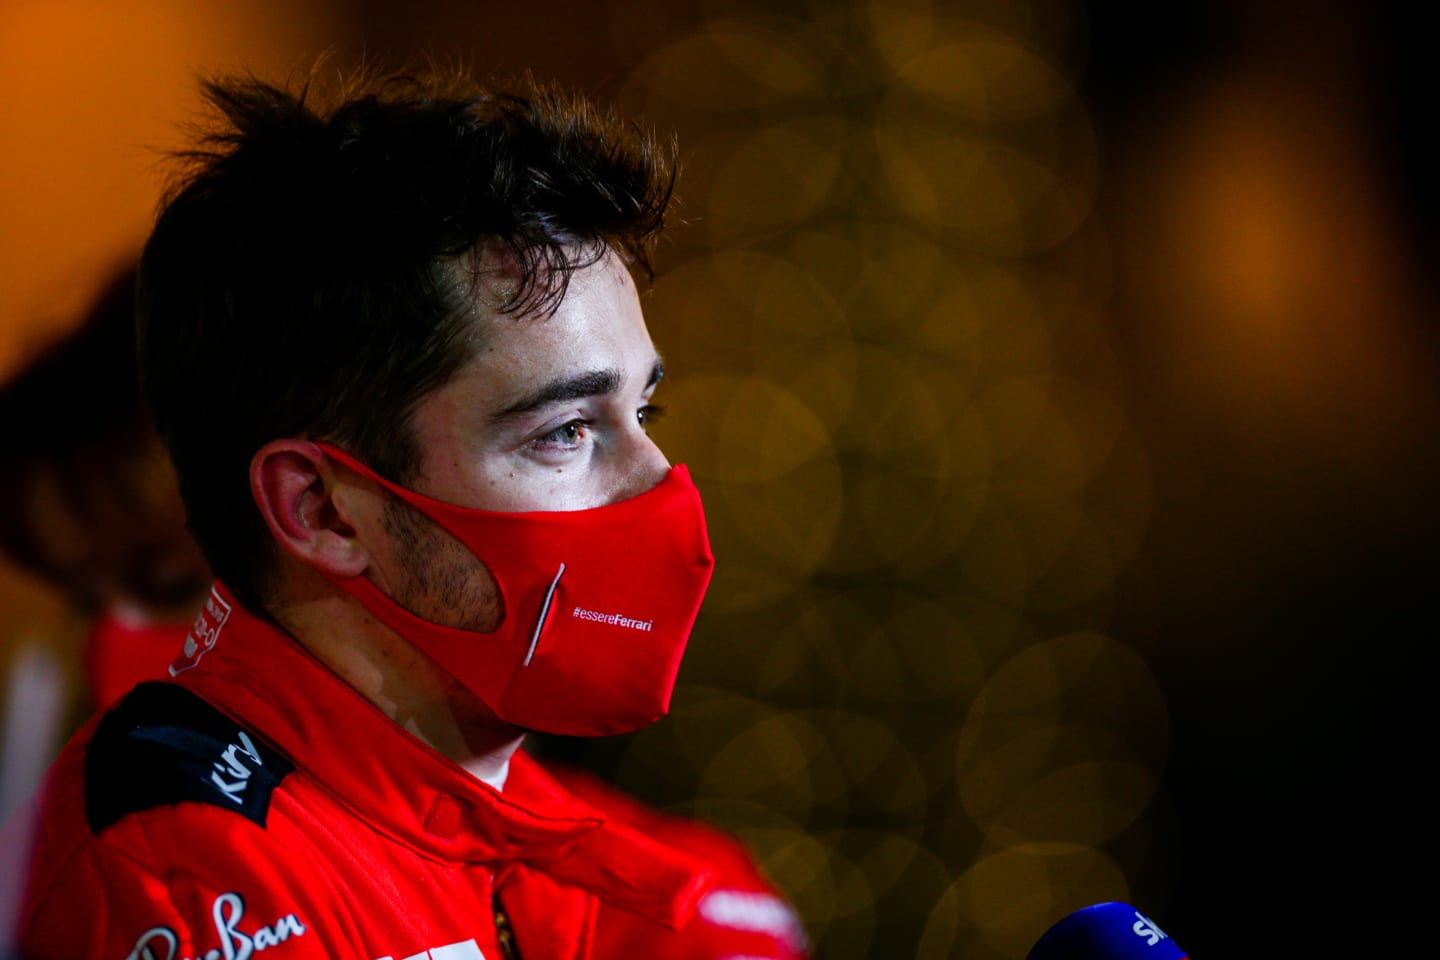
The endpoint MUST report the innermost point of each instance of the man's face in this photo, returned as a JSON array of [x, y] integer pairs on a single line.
[[549, 415]]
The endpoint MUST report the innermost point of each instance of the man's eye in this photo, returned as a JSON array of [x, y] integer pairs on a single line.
[[648, 414], [567, 434]]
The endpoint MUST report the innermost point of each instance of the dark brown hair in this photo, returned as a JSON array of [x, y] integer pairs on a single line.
[[301, 278]]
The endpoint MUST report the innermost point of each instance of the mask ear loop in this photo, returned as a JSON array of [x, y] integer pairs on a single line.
[[544, 612]]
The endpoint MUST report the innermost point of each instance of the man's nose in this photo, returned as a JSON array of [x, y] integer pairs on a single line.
[[644, 465]]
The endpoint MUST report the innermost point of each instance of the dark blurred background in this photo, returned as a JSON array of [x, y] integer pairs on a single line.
[[1059, 378]]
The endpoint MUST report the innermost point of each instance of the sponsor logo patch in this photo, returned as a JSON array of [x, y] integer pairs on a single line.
[[204, 633], [754, 912], [163, 745], [237, 941], [464, 950]]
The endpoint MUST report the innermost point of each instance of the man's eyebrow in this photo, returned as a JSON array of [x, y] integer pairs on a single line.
[[591, 384]]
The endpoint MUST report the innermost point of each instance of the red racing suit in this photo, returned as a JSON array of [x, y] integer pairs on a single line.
[[257, 803]]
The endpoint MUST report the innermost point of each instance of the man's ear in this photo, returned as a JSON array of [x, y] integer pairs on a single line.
[[298, 491]]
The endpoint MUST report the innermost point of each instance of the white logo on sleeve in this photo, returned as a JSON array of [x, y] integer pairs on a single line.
[[754, 912], [231, 775], [161, 943], [464, 950]]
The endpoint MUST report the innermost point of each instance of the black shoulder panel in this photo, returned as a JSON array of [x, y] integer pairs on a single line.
[[162, 745]]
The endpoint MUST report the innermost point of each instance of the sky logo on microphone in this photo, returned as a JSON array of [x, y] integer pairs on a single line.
[[1145, 927], [1106, 931]]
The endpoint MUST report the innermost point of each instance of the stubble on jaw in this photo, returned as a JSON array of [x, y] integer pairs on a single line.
[[438, 579]]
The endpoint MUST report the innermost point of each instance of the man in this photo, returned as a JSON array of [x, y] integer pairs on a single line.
[[396, 354]]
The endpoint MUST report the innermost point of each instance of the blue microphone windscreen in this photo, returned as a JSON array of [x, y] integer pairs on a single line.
[[1105, 931]]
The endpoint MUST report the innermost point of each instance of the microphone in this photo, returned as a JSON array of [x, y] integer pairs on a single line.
[[1106, 931]]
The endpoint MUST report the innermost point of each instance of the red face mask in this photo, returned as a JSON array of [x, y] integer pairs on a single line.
[[598, 606]]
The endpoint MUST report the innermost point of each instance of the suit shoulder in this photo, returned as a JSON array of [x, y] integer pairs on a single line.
[[163, 745]]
